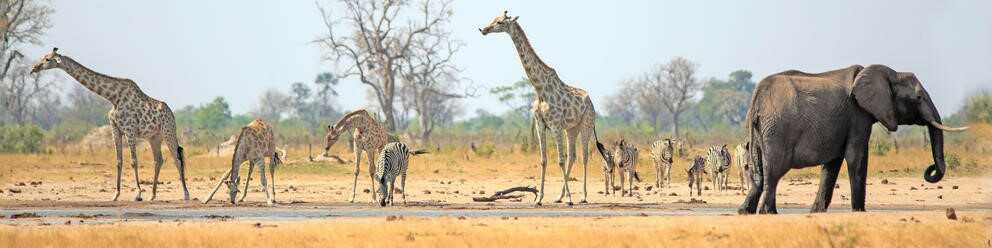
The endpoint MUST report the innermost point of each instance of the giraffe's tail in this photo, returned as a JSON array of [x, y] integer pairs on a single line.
[[181, 156], [602, 149]]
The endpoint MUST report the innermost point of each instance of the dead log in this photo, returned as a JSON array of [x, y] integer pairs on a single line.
[[504, 194]]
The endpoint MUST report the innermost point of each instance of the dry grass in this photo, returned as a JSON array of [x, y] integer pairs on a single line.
[[916, 229]]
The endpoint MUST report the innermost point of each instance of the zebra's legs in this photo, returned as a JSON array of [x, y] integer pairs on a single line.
[[403, 187]]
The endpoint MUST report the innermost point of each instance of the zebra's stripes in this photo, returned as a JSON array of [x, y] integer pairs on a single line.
[[392, 162], [695, 173], [662, 152], [718, 164]]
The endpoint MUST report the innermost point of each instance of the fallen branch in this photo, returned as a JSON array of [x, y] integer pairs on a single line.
[[325, 157], [503, 194]]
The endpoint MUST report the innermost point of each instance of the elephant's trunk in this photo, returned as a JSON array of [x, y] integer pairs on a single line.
[[935, 172]]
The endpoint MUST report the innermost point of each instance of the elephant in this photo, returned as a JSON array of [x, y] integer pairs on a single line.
[[798, 120]]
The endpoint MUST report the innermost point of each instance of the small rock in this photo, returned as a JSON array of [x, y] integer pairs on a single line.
[[648, 188], [706, 187], [836, 186], [20, 184], [15, 191], [427, 192], [912, 188], [885, 181], [461, 217], [940, 187], [951, 215], [940, 196], [437, 171], [954, 187], [455, 192], [391, 218], [673, 194], [482, 192], [366, 191], [637, 188]]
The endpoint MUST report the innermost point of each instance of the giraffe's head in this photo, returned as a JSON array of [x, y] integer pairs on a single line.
[[333, 134], [500, 24], [48, 61]]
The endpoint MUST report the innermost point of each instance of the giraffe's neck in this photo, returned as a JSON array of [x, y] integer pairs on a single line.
[[103, 85], [533, 64]]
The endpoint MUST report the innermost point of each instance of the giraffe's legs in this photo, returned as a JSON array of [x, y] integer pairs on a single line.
[[274, 162], [354, 184], [219, 183], [119, 147], [562, 159], [371, 156], [156, 145], [265, 184], [251, 168], [567, 170], [179, 158], [542, 141], [132, 145], [585, 164]]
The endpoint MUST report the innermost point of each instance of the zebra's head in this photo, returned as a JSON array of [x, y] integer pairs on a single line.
[[383, 190]]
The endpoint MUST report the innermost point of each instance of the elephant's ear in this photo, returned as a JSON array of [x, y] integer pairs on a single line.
[[873, 92]]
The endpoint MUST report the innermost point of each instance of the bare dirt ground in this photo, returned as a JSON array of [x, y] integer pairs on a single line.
[[46, 192]]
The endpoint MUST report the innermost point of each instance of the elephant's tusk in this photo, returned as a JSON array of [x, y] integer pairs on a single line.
[[946, 128]]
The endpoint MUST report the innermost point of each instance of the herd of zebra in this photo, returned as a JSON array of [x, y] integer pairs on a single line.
[[716, 163]]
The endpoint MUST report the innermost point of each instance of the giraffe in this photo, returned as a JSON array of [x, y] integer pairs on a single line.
[[255, 142], [368, 136], [566, 111], [134, 116]]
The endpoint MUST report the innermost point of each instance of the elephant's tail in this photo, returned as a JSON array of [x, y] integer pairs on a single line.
[[754, 152]]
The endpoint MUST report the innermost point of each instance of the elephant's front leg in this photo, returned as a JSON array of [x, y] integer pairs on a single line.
[[857, 171], [828, 178]]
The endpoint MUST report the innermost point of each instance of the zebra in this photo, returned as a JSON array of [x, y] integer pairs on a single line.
[[743, 166], [662, 152], [718, 163], [625, 157], [695, 173], [392, 162]]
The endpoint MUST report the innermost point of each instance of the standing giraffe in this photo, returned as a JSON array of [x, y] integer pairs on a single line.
[[368, 136], [134, 116], [560, 108]]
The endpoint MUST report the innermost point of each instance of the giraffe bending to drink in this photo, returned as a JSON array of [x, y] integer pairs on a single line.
[[134, 116], [254, 143], [566, 111], [368, 136]]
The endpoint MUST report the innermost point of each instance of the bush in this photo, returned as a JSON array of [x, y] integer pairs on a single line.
[[21, 139], [952, 160]]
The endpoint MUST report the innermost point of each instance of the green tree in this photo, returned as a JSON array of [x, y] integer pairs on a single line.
[[978, 107]]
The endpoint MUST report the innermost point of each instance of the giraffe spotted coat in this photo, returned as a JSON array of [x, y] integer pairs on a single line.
[[133, 117], [368, 136], [565, 111]]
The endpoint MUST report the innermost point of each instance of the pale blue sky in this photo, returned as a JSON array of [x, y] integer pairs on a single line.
[[187, 52]]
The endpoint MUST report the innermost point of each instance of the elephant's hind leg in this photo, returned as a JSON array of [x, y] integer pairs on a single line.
[[828, 179]]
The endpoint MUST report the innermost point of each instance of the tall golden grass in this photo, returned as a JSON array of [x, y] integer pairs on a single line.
[[918, 229]]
